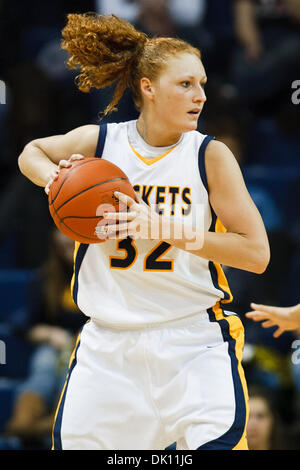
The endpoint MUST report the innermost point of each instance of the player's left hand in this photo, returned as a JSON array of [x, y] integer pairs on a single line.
[[140, 220]]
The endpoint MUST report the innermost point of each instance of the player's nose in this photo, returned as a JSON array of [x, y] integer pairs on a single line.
[[200, 95]]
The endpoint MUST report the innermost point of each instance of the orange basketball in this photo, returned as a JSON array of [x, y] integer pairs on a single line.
[[82, 193]]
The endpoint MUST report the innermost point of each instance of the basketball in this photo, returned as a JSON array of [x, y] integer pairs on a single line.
[[82, 193]]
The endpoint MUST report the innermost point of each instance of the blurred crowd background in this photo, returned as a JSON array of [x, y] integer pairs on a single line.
[[251, 52]]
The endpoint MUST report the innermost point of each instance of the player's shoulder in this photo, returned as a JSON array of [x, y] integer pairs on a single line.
[[219, 161], [193, 142], [92, 130], [218, 152], [194, 136], [83, 138], [119, 131], [120, 126], [86, 131]]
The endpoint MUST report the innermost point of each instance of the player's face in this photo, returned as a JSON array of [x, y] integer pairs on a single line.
[[179, 92]]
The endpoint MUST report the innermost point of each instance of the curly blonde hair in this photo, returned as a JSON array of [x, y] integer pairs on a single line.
[[110, 50]]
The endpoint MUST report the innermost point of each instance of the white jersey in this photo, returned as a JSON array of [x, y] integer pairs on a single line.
[[134, 283]]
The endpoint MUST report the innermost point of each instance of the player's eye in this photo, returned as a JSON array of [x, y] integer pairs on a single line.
[[186, 83]]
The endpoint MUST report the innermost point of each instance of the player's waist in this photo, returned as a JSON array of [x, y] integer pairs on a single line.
[[172, 323]]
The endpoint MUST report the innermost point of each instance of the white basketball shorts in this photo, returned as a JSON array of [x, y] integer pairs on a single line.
[[148, 388]]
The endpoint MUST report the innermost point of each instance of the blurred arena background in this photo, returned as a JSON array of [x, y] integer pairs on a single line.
[[251, 51]]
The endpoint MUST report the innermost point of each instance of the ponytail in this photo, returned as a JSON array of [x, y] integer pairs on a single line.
[[110, 50], [105, 48]]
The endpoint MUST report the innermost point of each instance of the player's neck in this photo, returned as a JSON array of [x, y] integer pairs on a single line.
[[155, 133]]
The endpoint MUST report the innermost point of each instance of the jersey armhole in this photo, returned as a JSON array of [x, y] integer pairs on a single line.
[[201, 160], [101, 140]]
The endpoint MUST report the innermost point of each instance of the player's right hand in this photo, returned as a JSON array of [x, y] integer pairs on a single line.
[[62, 164]]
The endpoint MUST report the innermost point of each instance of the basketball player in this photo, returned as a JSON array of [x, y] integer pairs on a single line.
[[286, 318], [160, 359]]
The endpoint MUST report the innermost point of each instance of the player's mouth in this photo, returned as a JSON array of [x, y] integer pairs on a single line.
[[195, 112]]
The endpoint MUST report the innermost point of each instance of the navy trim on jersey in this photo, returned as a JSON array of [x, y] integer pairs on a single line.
[[211, 264], [201, 160], [57, 444], [214, 275], [212, 227], [79, 258], [234, 434], [83, 246], [101, 140], [214, 278]]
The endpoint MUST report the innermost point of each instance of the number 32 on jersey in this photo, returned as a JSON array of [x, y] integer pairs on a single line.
[[152, 260]]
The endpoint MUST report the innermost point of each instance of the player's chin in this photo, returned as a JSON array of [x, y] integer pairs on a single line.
[[190, 125]]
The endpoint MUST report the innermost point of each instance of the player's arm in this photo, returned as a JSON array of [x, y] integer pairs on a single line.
[[40, 158], [245, 244]]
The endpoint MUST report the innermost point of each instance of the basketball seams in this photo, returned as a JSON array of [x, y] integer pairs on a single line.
[[70, 171], [87, 189], [79, 234], [82, 217]]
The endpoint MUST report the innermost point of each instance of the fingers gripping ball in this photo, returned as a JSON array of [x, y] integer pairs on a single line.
[[82, 193]]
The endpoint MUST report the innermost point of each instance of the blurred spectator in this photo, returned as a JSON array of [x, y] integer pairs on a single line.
[[131, 9], [126, 9], [267, 61], [162, 17], [154, 18], [172, 17], [264, 429], [52, 327]]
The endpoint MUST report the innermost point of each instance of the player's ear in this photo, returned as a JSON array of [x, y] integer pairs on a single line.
[[147, 88]]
